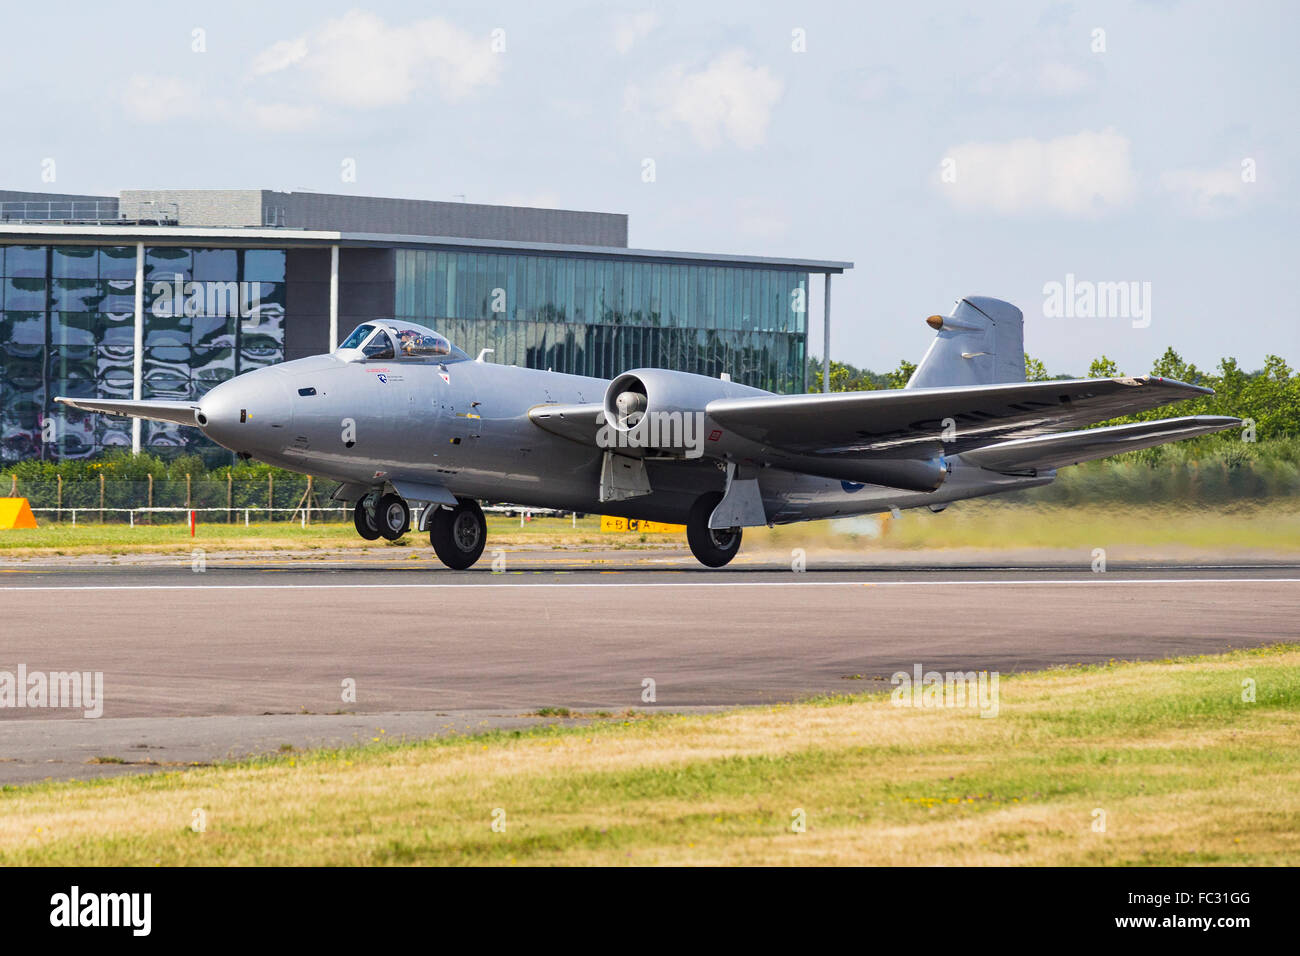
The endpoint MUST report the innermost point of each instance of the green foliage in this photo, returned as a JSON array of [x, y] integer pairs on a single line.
[[849, 378], [126, 483], [898, 378], [1035, 370], [1270, 397], [1103, 367]]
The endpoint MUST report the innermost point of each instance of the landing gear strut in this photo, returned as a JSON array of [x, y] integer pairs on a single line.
[[458, 534], [713, 547]]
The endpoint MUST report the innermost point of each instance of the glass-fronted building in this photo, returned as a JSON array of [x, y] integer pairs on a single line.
[[601, 317], [132, 308], [67, 327]]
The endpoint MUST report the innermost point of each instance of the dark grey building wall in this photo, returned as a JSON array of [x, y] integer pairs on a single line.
[[418, 217], [367, 286], [307, 302], [366, 291]]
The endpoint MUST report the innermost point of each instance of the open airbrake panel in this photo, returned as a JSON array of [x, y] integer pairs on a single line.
[[622, 477]]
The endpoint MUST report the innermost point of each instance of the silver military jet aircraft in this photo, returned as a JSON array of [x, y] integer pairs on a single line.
[[400, 417]]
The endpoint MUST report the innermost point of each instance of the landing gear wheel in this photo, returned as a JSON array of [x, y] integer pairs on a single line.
[[363, 516], [458, 534], [392, 517], [713, 547]]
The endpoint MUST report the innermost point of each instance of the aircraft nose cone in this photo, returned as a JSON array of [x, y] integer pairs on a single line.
[[248, 413]]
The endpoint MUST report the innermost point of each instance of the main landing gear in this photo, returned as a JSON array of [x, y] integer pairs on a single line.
[[713, 547], [458, 534]]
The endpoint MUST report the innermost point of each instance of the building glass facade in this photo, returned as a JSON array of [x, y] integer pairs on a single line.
[[67, 327], [600, 317], [67, 323]]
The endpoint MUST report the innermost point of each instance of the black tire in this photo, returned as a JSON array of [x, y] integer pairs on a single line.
[[363, 517], [392, 517], [458, 534], [711, 548]]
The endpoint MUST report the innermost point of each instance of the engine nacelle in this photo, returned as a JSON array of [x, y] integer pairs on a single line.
[[656, 409], [663, 410]]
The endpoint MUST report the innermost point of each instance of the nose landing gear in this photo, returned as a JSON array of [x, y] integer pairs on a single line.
[[388, 516], [363, 516], [392, 517]]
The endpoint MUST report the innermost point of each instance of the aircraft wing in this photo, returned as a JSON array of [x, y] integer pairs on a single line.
[[908, 423], [180, 413], [1071, 448]]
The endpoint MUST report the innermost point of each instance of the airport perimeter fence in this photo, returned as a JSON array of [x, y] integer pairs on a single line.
[[214, 498]]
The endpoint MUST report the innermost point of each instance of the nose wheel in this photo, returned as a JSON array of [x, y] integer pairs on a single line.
[[363, 516], [392, 517], [458, 534], [713, 547]]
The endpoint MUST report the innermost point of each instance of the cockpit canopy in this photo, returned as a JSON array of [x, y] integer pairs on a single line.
[[397, 339]]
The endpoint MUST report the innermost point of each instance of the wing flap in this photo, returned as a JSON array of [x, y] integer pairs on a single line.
[[179, 413], [1071, 448], [910, 423]]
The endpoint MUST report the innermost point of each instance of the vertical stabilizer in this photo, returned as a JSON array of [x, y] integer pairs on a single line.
[[981, 343]]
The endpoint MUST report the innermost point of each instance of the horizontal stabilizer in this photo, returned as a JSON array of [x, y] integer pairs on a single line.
[[1071, 448], [179, 413]]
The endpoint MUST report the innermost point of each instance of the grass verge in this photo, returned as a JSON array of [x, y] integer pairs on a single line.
[[986, 525], [1182, 768]]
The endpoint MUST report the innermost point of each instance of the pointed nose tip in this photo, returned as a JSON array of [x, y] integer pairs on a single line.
[[247, 413], [220, 414]]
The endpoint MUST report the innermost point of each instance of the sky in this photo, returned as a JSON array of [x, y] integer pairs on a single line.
[[1036, 152]]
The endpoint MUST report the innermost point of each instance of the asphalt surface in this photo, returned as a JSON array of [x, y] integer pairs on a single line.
[[251, 655]]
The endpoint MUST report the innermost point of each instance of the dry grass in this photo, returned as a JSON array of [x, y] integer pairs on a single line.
[[1184, 770]]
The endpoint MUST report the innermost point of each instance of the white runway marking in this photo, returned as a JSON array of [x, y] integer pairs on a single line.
[[1085, 582]]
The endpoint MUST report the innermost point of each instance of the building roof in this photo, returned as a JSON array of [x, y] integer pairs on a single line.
[[276, 237]]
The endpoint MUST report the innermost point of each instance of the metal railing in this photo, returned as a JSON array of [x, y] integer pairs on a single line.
[[221, 498], [57, 210]]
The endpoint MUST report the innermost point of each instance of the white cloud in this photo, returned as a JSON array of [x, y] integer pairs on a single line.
[[1210, 193], [729, 98], [631, 29], [1081, 176], [157, 99], [359, 61], [280, 56]]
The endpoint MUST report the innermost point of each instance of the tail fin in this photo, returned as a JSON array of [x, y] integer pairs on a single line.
[[981, 343]]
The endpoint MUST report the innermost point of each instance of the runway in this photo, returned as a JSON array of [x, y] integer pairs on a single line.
[[252, 655]]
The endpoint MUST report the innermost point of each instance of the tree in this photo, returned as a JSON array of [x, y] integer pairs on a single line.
[[1035, 370], [898, 378], [1103, 368]]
